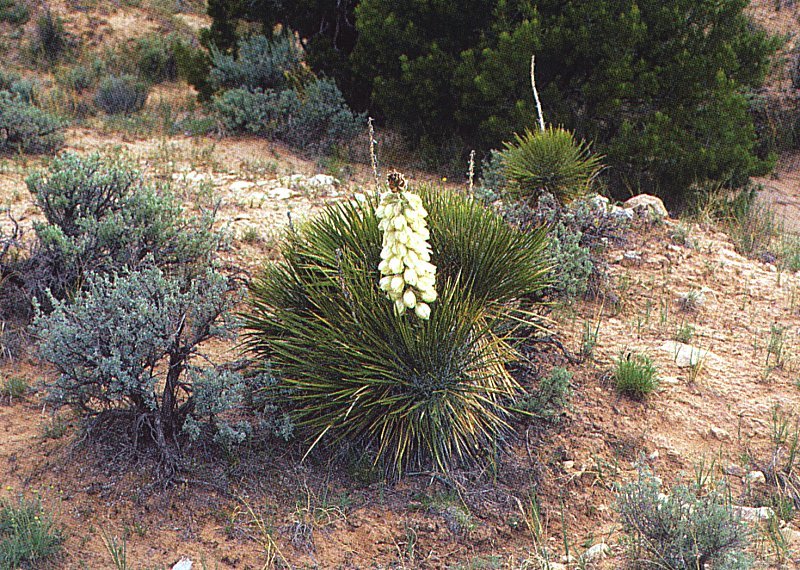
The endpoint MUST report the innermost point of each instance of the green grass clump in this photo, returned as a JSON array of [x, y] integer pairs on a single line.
[[416, 392], [13, 387], [635, 375], [28, 533]]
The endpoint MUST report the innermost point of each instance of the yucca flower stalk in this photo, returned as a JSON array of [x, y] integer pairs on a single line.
[[409, 278]]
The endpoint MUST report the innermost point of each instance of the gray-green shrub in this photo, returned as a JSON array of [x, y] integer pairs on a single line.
[[124, 94], [126, 350], [102, 216], [550, 397], [315, 120], [14, 11], [687, 529], [27, 129], [261, 63]]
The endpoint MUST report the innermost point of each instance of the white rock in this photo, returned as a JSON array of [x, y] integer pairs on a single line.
[[719, 433], [293, 181], [183, 564], [754, 514], [280, 193], [653, 456], [568, 465], [621, 213], [322, 180], [240, 185], [648, 203], [685, 355], [596, 552], [756, 477]]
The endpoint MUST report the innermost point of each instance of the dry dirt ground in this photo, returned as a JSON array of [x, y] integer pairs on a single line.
[[331, 513]]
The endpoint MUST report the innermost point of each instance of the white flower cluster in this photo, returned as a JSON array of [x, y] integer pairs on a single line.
[[409, 277]]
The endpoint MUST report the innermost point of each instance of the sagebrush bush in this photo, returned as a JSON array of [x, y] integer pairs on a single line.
[[635, 375], [122, 94], [14, 11], [125, 349], [28, 534], [101, 216], [418, 392], [550, 398], [315, 120], [155, 59], [25, 89], [550, 161], [260, 63], [580, 232], [687, 529], [27, 129]]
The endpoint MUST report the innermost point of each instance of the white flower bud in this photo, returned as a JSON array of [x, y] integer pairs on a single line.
[[409, 299], [429, 295], [423, 311]]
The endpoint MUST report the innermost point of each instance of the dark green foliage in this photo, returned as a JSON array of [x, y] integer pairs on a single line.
[[659, 87], [102, 217], [27, 129], [121, 95], [28, 534], [417, 392], [49, 41], [635, 375], [688, 529], [194, 66], [549, 161], [14, 11], [125, 348]]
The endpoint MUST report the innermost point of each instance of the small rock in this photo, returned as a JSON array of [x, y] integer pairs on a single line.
[[669, 380], [293, 180], [754, 514], [280, 193], [322, 180], [631, 258], [596, 552], [240, 185], [647, 203], [619, 213], [653, 456], [183, 564], [685, 355], [720, 433], [734, 471], [568, 465], [756, 477]]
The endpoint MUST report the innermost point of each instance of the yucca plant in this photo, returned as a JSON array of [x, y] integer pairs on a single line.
[[419, 392], [550, 160]]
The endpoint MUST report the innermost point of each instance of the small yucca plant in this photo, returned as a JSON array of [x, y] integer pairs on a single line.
[[550, 160], [419, 392]]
